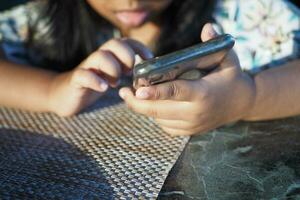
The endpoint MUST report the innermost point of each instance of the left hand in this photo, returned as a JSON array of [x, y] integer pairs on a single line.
[[183, 107]]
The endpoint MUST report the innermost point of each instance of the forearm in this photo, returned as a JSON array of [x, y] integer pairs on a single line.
[[277, 93], [24, 87]]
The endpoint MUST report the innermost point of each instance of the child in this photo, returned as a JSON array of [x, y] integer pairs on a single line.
[[61, 56]]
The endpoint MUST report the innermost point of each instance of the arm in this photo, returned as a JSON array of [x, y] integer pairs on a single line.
[[189, 107], [68, 93], [277, 93], [223, 96], [24, 87]]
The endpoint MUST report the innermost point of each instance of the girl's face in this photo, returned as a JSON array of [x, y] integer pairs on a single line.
[[128, 14]]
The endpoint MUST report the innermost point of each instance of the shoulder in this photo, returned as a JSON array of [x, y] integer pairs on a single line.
[[251, 13], [266, 31], [14, 23], [15, 28]]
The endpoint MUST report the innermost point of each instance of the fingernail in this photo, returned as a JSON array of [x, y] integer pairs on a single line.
[[122, 94], [211, 31], [142, 94], [103, 86]]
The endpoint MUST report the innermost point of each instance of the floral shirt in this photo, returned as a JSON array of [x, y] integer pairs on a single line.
[[267, 32]]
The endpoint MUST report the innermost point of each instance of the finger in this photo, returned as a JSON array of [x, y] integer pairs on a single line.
[[105, 65], [184, 132], [179, 90], [208, 32], [156, 109], [177, 132], [83, 78], [231, 60], [122, 52], [139, 48], [177, 124]]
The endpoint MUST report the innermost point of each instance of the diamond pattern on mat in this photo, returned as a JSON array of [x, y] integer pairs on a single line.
[[107, 153]]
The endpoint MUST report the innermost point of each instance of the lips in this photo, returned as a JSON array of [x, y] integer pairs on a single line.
[[132, 18]]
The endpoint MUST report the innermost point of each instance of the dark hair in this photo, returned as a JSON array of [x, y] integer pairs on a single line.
[[73, 26]]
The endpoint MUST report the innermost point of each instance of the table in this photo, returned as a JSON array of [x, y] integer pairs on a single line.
[[243, 161]]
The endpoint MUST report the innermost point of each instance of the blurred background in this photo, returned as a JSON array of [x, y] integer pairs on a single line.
[[5, 4]]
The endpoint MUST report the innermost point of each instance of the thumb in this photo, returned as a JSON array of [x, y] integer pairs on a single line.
[[178, 90], [208, 32], [231, 60]]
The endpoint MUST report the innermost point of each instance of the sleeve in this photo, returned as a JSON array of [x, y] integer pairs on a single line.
[[14, 29], [267, 32]]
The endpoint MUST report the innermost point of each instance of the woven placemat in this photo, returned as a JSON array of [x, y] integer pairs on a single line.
[[107, 152]]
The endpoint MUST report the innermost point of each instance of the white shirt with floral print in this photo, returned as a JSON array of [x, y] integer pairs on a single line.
[[267, 32]]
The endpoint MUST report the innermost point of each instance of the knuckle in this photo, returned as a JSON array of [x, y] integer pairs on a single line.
[[194, 126], [130, 59], [102, 54], [107, 63], [198, 109], [95, 59], [152, 112], [157, 93], [203, 94], [127, 58], [130, 106], [168, 91], [193, 111], [76, 76], [95, 56], [104, 57], [172, 90], [122, 51], [114, 43], [195, 116], [111, 43]]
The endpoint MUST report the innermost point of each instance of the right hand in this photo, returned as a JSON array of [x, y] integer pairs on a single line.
[[187, 107], [73, 91]]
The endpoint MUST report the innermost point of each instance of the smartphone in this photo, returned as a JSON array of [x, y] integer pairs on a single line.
[[190, 63]]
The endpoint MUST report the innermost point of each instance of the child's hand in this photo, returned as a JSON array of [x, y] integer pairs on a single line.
[[187, 107], [72, 91]]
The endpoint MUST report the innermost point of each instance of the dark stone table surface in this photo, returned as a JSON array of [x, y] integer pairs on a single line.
[[243, 161]]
